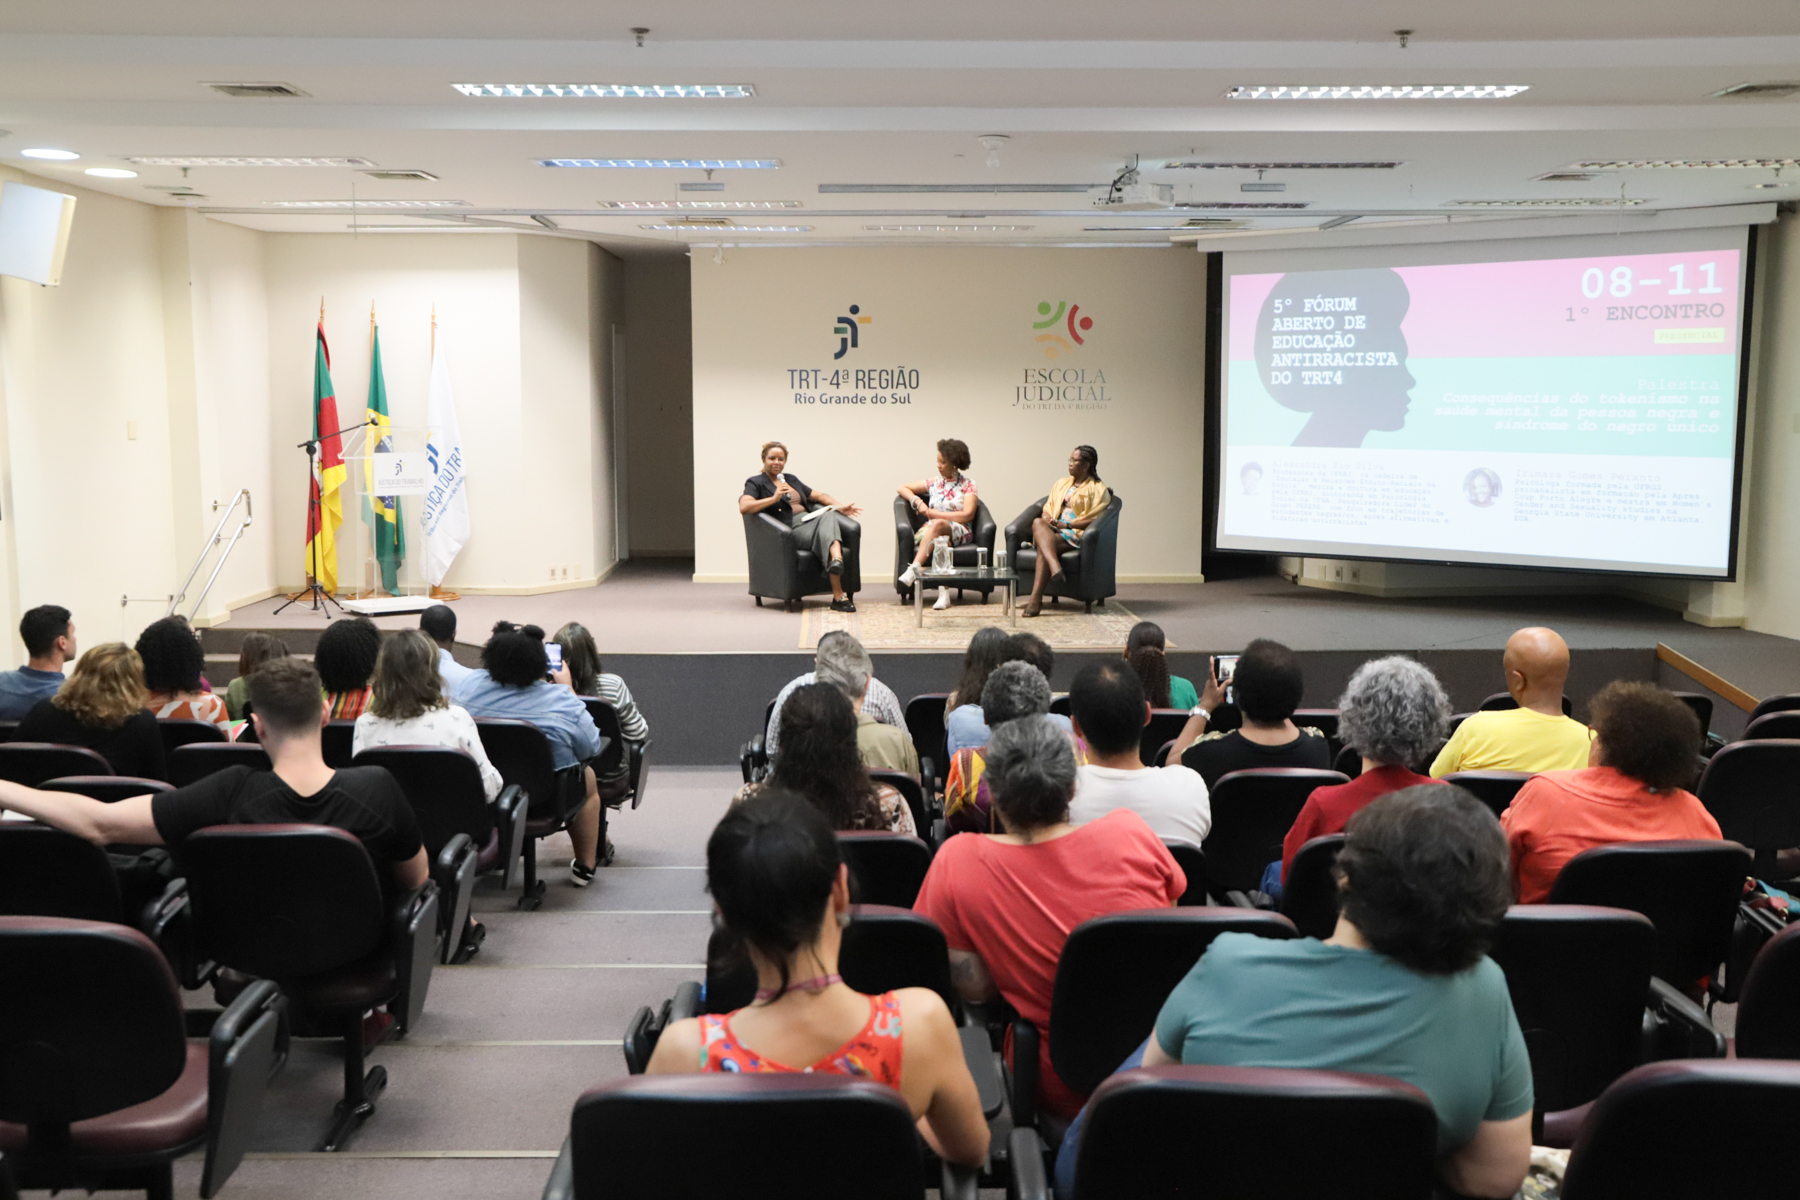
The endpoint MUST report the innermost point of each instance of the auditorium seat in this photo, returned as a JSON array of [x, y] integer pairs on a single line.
[[1703, 709], [102, 1088], [800, 1137], [1164, 726], [1688, 888], [925, 723], [1309, 895], [1752, 789], [1325, 720], [780, 570], [906, 527], [1252, 812], [521, 753], [923, 811], [194, 762], [178, 731], [753, 756], [1786, 702], [463, 835], [1495, 789], [337, 743], [1784, 724], [1768, 1015], [1182, 1131], [1501, 701], [108, 789], [618, 750], [31, 763], [885, 868], [1113, 976], [1088, 567], [7, 729], [1192, 861], [1719, 1128], [302, 905], [1347, 762]]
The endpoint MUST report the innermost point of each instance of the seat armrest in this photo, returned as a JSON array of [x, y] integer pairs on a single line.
[[561, 1184], [413, 939], [1018, 530], [957, 1182], [637, 753], [934, 803], [640, 1040], [1024, 1073], [168, 921], [1025, 1155], [510, 810], [245, 1049], [686, 1002], [984, 1067], [454, 873], [1676, 1027]]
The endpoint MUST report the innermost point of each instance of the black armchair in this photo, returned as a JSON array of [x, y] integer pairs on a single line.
[[521, 753], [906, 528], [1252, 813], [1752, 788], [1089, 567], [885, 868], [780, 570]]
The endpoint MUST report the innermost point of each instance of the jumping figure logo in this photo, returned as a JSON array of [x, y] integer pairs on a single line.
[[1074, 322], [846, 331]]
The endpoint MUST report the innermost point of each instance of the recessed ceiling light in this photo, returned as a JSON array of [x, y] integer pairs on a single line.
[[240, 160], [264, 90], [111, 173], [1187, 165], [611, 91], [1703, 164], [52, 155], [1562, 202], [1378, 91], [401, 175], [667, 164], [948, 228], [367, 203], [697, 227], [661, 205]]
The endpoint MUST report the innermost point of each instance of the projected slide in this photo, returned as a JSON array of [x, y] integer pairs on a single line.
[[1572, 412]]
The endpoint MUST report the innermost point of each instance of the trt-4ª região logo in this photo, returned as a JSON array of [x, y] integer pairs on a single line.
[[846, 330], [1068, 317]]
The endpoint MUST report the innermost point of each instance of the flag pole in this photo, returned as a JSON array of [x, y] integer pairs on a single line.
[[437, 592]]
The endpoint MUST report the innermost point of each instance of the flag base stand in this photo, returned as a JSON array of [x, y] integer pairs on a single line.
[[438, 593], [313, 591]]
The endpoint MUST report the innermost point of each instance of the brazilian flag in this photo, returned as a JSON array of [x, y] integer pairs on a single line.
[[381, 512]]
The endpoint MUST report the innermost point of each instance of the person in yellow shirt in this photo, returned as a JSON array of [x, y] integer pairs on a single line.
[[1532, 737]]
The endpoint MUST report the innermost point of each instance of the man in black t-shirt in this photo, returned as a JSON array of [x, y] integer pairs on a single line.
[[288, 715], [1269, 687]]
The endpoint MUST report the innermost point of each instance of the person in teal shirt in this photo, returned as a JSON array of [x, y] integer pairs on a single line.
[[1144, 650], [1402, 988]]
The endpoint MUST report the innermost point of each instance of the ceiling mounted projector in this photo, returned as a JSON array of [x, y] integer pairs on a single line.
[[1134, 197]]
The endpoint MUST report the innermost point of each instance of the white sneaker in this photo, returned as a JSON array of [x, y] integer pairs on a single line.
[[911, 573], [943, 600]]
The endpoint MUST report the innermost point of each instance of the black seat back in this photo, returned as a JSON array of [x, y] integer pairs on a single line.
[[1117, 970], [856, 1137], [282, 901], [1783, 724], [885, 948], [190, 763], [910, 791], [91, 1024], [1702, 706], [925, 725], [1252, 812], [885, 868], [182, 731], [1786, 702], [108, 789], [1768, 1016], [45, 872], [1502, 701], [1752, 789], [1325, 720], [337, 742], [1192, 861], [1578, 977], [1309, 897], [1689, 890], [606, 720], [1163, 727], [30, 763], [1495, 789], [521, 753], [443, 785], [1193, 1131], [1644, 1133]]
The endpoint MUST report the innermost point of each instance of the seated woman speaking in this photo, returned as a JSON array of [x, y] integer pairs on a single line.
[[1075, 502], [785, 498], [948, 506]]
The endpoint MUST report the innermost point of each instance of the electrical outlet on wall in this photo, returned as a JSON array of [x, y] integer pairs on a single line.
[[1355, 574], [553, 574], [1337, 573], [565, 571]]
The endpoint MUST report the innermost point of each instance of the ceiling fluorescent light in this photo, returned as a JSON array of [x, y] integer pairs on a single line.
[[1562, 202], [948, 228], [1230, 205], [51, 155], [910, 189], [667, 164], [1262, 187], [663, 205], [708, 186], [1379, 91], [367, 203], [610, 91], [1187, 165], [241, 160], [696, 227], [111, 173], [1704, 164]]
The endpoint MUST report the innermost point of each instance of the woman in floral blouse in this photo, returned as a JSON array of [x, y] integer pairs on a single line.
[[947, 503]]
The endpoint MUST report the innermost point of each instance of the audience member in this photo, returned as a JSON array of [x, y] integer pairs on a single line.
[[1394, 714], [1535, 736], [512, 685], [1110, 714], [101, 707], [409, 708], [345, 658], [1006, 901], [1014, 690], [49, 637], [880, 702], [582, 656], [987, 650], [774, 871], [287, 712], [1645, 748], [257, 648], [819, 761], [968, 726], [882, 747], [1268, 687], [439, 624], [1403, 988], [1144, 650], [174, 667]]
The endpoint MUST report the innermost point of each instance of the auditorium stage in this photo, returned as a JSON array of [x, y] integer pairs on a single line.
[[703, 659]]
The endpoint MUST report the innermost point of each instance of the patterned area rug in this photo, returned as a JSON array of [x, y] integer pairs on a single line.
[[885, 624]]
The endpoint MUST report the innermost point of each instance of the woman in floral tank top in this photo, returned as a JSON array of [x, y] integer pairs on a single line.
[[946, 503]]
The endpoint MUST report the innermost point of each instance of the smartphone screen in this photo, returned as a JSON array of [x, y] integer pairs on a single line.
[[554, 651], [1225, 666]]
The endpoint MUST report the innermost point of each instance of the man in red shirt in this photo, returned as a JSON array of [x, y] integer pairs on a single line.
[[1644, 751]]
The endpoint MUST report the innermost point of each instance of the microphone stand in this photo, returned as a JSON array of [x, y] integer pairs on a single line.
[[315, 503]]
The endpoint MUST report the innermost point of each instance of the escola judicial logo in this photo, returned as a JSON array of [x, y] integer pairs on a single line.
[[846, 331], [1073, 322]]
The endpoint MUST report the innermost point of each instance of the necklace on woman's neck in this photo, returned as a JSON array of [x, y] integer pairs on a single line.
[[815, 985]]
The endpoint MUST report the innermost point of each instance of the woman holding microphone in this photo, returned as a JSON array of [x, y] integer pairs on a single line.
[[785, 498]]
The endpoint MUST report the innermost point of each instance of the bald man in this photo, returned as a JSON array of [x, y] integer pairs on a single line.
[[1532, 737]]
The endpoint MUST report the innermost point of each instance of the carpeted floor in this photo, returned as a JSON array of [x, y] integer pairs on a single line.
[[886, 626]]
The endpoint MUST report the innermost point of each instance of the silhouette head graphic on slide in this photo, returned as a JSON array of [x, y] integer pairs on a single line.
[[1329, 343]]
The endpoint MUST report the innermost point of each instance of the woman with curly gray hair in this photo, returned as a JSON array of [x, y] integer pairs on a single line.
[[1393, 713]]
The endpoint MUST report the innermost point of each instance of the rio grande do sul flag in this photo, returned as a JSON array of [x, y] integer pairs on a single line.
[[325, 506]]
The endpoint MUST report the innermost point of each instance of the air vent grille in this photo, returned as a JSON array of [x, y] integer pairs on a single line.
[[1757, 91], [401, 175], [1180, 164], [265, 90]]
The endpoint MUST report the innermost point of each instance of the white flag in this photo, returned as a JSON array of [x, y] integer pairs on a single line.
[[446, 508]]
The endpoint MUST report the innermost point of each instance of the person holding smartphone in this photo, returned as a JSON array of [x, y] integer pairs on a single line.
[[1267, 685]]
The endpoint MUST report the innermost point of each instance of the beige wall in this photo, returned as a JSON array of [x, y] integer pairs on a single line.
[[659, 413], [1771, 541], [963, 318]]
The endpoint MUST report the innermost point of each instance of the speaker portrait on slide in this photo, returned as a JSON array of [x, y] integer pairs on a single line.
[[1481, 487], [1329, 343]]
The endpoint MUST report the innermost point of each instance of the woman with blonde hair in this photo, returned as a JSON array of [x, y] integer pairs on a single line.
[[408, 706], [101, 707]]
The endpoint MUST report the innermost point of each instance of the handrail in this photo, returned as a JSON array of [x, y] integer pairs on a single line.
[[218, 535], [1705, 678]]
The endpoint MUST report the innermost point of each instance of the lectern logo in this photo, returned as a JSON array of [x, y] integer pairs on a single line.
[[846, 330], [1068, 317]]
